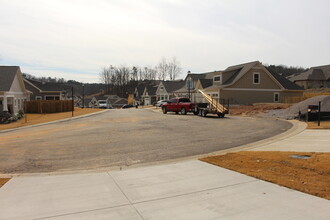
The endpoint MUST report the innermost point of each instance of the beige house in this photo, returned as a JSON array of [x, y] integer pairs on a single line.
[[250, 83], [12, 90], [167, 89]]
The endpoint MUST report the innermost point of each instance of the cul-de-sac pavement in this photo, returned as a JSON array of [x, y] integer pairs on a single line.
[[119, 138]]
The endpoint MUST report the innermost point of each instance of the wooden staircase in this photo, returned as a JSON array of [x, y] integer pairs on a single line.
[[214, 103]]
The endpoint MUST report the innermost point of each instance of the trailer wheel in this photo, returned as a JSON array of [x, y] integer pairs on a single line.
[[196, 112], [164, 110], [204, 113], [176, 113], [200, 112], [221, 115], [183, 111]]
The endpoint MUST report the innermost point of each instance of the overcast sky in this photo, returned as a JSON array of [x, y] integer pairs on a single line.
[[74, 39]]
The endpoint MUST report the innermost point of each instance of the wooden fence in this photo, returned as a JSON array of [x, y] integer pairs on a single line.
[[48, 106], [301, 98]]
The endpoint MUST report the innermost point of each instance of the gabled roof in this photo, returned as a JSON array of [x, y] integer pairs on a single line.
[[101, 97], [171, 86], [120, 101], [47, 86], [314, 73], [238, 71], [287, 84], [7, 76], [206, 82], [151, 90], [197, 76]]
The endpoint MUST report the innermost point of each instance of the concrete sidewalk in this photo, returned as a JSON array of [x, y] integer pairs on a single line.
[[310, 140], [184, 190], [188, 189]]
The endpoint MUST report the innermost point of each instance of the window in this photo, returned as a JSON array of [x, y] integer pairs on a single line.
[[276, 97], [38, 98], [256, 78], [217, 79]]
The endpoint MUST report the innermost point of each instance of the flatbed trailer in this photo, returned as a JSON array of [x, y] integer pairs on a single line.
[[212, 107]]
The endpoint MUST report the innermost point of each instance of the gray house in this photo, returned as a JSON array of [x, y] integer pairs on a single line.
[[44, 90], [12, 90], [315, 77]]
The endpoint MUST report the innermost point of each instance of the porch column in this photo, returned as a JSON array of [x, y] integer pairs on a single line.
[[4, 104]]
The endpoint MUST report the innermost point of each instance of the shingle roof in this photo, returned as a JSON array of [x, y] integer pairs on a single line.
[[7, 75], [171, 86], [196, 76], [151, 90], [287, 84], [206, 82], [120, 101], [314, 73], [238, 71]]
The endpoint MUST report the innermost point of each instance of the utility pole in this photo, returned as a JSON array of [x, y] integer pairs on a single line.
[[83, 101], [72, 101], [319, 115]]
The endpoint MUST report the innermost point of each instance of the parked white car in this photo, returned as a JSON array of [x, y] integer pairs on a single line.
[[161, 102], [103, 104]]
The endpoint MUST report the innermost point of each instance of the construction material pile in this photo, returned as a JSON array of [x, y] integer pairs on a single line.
[[293, 111]]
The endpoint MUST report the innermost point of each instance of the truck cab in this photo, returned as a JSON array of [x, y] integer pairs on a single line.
[[182, 105]]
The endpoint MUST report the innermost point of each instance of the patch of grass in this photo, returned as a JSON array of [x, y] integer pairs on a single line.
[[314, 125], [311, 175], [32, 119]]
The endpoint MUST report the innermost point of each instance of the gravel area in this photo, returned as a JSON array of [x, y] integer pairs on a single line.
[[293, 111]]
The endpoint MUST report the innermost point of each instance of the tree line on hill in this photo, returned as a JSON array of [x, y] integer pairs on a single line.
[[285, 70]]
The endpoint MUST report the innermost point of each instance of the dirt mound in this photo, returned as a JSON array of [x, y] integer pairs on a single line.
[[293, 111]]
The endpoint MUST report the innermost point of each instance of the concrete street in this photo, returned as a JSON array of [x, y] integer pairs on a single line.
[[120, 138], [187, 189]]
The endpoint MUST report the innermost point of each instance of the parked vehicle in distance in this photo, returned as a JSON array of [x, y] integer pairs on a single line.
[[182, 105], [161, 102], [127, 106], [103, 104]]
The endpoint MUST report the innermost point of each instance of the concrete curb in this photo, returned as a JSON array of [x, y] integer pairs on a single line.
[[56, 121]]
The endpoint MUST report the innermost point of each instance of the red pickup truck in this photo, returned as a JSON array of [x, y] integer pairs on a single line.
[[182, 105]]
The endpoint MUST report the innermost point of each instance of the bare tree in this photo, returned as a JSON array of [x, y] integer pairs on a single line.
[[106, 76], [162, 69], [174, 69]]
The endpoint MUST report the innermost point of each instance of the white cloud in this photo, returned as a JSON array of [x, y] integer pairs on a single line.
[[84, 36]]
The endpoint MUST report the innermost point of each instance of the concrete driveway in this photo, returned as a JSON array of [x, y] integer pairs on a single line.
[[126, 137]]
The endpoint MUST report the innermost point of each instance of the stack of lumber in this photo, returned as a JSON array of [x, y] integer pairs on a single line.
[[213, 102]]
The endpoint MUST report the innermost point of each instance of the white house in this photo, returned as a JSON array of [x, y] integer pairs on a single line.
[[12, 90]]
